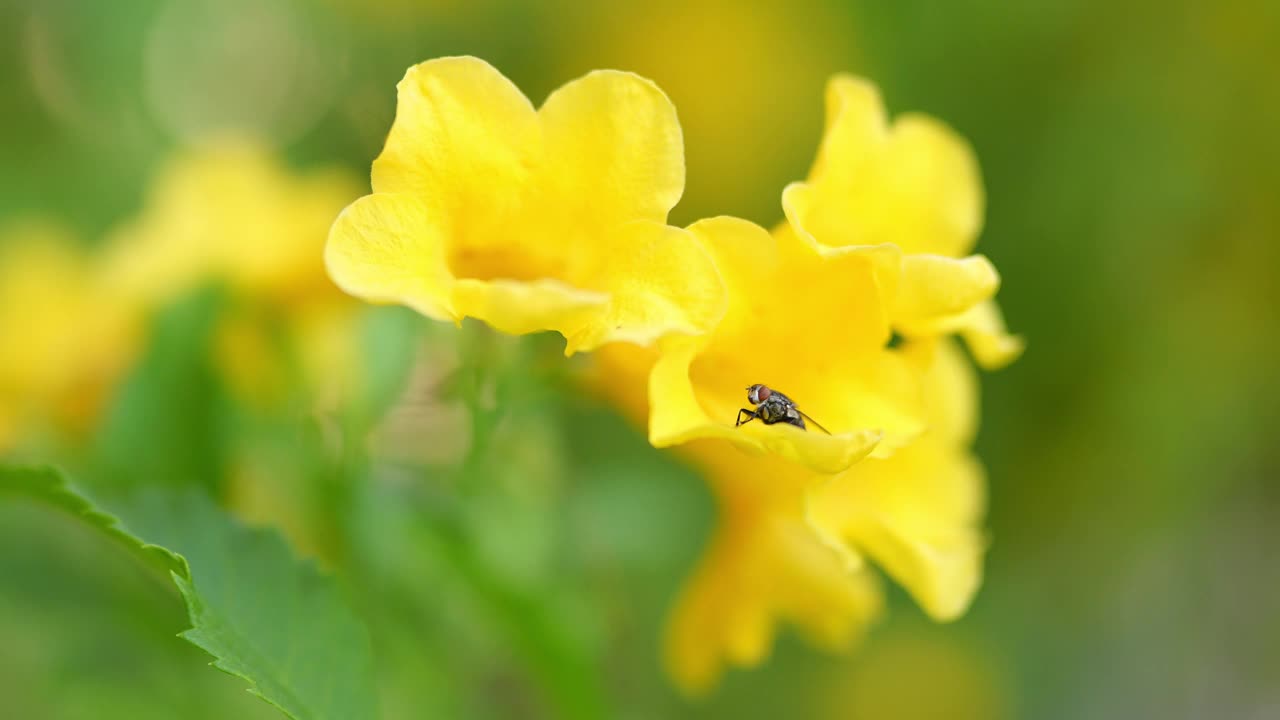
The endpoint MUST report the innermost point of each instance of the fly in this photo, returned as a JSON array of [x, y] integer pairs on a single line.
[[772, 407]]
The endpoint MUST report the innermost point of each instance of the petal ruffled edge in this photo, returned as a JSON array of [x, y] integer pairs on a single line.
[[913, 181], [983, 330], [389, 248], [919, 513], [614, 143], [887, 257], [756, 574], [518, 307], [934, 286], [941, 564], [461, 129], [660, 281]]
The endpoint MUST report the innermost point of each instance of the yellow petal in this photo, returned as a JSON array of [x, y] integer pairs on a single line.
[[759, 571], [982, 328], [856, 124], [933, 295], [464, 138], [546, 220], [390, 248], [822, 300], [984, 332], [806, 320], [615, 148], [915, 183], [915, 514], [932, 180], [676, 416], [950, 386], [797, 203], [519, 307], [935, 286], [660, 280], [918, 513]]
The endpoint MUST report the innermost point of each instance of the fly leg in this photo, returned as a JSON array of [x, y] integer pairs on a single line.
[[751, 415]]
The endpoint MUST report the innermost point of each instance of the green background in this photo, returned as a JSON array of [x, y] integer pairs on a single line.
[[1131, 161]]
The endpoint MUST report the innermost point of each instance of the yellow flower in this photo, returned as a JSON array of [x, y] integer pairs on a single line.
[[792, 544], [918, 513], [548, 219], [65, 338], [230, 212], [913, 183], [765, 565], [875, 243], [807, 321]]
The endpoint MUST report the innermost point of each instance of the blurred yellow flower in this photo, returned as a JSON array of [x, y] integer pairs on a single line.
[[230, 212], [765, 565], [548, 219], [804, 319], [913, 183], [64, 337]]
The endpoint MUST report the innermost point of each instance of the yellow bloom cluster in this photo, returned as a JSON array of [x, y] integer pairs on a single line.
[[554, 219], [228, 212], [72, 320]]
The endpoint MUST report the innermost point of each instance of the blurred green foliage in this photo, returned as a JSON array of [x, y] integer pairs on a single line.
[[1132, 166]]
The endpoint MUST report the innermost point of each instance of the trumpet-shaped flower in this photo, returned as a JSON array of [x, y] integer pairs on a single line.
[[792, 545], [874, 243], [805, 320], [913, 183], [547, 219]]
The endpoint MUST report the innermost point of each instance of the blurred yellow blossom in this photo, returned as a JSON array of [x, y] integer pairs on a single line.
[[65, 339], [230, 212], [913, 183], [765, 564], [548, 219]]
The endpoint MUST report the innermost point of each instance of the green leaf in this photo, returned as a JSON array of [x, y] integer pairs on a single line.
[[265, 617], [166, 421]]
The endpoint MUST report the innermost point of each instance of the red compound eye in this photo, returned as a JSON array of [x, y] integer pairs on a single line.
[[763, 392]]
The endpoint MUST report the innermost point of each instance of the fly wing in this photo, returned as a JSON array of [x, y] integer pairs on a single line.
[[816, 424]]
